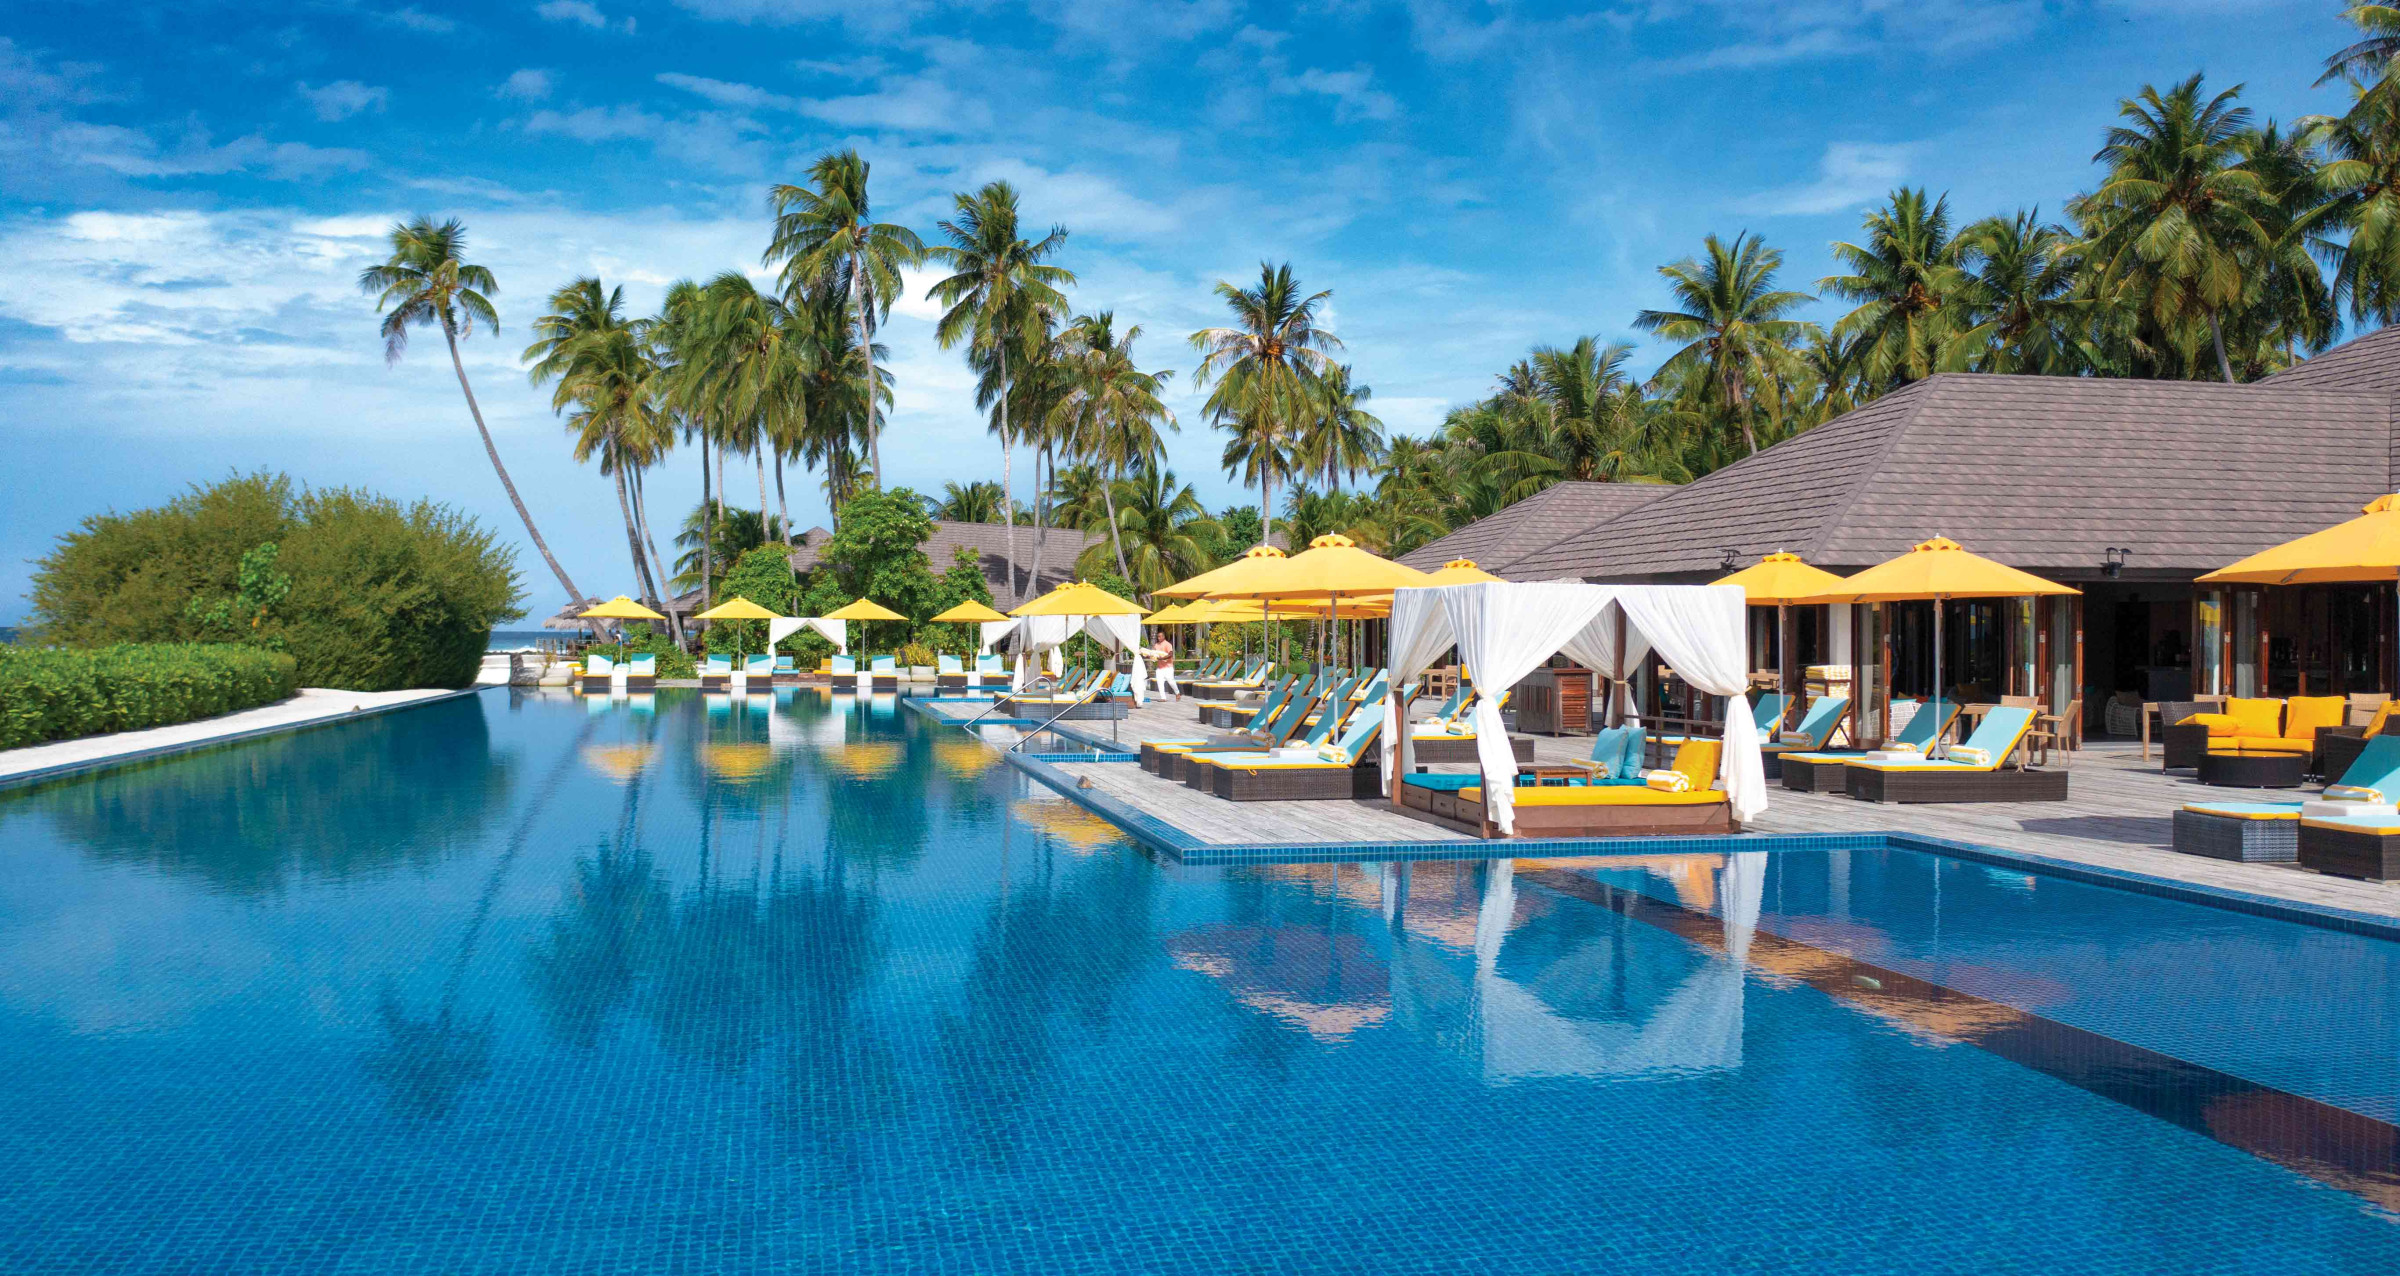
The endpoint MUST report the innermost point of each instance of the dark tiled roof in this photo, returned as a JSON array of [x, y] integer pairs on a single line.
[[2370, 363], [990, 543], [1555, 512], [2042, 473]]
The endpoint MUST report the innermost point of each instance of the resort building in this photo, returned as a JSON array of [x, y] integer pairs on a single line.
[[2126, 490], [1060, 548]]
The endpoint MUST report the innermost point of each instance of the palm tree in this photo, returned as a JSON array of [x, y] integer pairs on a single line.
[[824, 235], [1594, 404], [2179, 224], [606, 373], [1268, 370], [2361, 180], [1164, 531], [715, 538], [1737, 339], [835, 421], [2368, 61], [2294, 307], [676, 333], [1111, 412], [2022, 291], [976, 502], [1909, 289], [745, 370], [998, 287], [1342, 437], [427, 281]]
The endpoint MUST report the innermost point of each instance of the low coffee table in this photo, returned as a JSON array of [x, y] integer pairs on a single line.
[[2253, 770]]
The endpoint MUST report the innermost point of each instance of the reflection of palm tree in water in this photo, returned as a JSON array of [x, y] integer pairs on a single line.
[[428, 1064], [598, 946]]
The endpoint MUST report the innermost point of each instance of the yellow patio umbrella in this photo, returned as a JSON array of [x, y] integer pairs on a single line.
[[1241, 569], [1172, 614], [864, 609], [1778, 581], [619, 608], [1939, 569], [2366, 548], [1332, 567], [736, 608], [969, 612], [1081, 598], [1461, 571]]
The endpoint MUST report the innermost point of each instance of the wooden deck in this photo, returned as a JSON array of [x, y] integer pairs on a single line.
[[2119, 816]]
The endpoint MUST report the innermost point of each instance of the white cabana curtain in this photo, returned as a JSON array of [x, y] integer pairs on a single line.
[[783, 627], [1419, 633], [836, 632], [1505, 630], [993, 631], [1120, 633], [1702, 630], [1596, 648]]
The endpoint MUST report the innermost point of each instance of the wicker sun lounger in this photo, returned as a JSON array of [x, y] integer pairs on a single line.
[[1950, 780]]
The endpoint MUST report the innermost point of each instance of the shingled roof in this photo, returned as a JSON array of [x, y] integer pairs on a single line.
[[990, 543], [2368, 364], [2043, 473], [1557, 511]]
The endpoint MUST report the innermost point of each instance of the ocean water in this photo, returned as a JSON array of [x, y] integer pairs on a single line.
[[526, 983]]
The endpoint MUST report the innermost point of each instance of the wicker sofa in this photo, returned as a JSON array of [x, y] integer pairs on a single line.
[[2292, 725]]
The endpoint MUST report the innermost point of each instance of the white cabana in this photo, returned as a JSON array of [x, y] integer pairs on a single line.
[[1504, 630], [1033, 635], [836, 632]]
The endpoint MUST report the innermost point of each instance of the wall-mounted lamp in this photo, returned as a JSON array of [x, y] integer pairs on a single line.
[[1727, 558], [2112, 561]]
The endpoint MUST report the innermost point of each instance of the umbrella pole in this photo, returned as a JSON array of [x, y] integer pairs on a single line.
[[1940, 745]]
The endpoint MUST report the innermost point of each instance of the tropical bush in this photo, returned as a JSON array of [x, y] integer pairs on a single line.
[[673, 661], [366, 594], [878, 552], [58, 693], [918, 655], [764, 576]]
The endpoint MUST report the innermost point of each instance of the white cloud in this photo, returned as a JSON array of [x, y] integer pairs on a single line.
[[728, 93], [1848, 174], [914, 102], [528, 85], [887, 19], [134, 153], [583, 12], [1353, 93], [860, 68], [416, 19], [344, 98], [1078, 200]]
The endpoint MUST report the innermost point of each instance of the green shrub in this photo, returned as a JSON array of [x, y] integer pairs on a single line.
[[764, 576], [917, 654], [58, 693], [365, 593], [673, 661]]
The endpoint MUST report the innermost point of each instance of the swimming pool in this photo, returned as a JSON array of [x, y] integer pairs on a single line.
[[521, 983]]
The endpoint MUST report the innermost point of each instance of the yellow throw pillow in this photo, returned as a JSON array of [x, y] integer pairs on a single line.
[[2217, 723], [1969, 755], [1668, 781], [2306, 713], [2255, 717], [2382, 711]]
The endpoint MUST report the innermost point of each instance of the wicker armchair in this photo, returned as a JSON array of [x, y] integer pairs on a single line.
[[2182, 744]]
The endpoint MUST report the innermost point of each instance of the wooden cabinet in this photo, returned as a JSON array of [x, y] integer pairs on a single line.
[[1555, 701]]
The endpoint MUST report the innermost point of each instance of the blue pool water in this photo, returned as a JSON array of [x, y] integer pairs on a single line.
[[531, 985]]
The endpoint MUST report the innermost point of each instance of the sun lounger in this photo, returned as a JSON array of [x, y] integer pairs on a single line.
[[991, 673], [758, 672], [844, 670], [598, 672], [1273, 734], [784, 671], [1446, 740], [883, 674], [1324, 728], [1608, 810], [949, 674], [2336, 832], [1255, 720], [1976, 771], [1820, 770], [641, 673], [1811, 734], [716, 673], [1350, 767]]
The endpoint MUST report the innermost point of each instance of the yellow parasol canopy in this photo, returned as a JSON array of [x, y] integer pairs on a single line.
[[2365, 548], [620, 608], [968, 613], [1460, 571], [864, 609], [737, 608], [1332, 565], [1244, 568], [1172, 614], [1079, 599], [1938, 568], [1781, 578]]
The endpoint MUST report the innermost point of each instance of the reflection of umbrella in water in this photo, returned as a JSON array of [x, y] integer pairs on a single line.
[[1078, 828], [867, 759], [619, 762], [737, 761], [964, 759], [1328, 986]]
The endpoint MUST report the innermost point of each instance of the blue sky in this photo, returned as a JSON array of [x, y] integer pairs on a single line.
[[187, 192]]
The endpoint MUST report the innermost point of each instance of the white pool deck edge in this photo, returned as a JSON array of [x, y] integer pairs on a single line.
[[313, 706]]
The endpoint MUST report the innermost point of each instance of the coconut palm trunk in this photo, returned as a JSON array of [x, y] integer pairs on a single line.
[[1008, 486], [1108, 497], [783, 510], [2216, 335], [866, 343], [458, 365], [759, 454], [658, 565], [708, 526], [633, 539], [1041, 517]]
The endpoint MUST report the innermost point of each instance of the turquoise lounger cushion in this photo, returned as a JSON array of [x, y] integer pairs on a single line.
[[1442, 782]]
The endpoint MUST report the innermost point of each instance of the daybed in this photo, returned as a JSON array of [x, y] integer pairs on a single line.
[[1608, 810]]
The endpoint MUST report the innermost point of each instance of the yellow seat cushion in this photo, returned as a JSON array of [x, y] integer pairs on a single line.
[[2259, 744], [2218, 724], [2302, 715], [1602, 795], [2255, 717], [2382, 711]]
